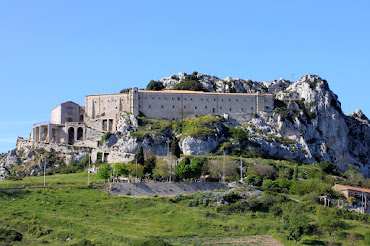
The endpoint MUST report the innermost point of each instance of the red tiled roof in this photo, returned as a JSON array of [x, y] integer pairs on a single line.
[[346, 187]]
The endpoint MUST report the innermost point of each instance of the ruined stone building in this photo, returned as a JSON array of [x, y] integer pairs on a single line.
[[71, 123]]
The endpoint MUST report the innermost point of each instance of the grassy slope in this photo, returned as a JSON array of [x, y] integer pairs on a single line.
[[94, 215]]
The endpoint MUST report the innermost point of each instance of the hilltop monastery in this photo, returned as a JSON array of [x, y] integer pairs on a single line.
[[71, 123]]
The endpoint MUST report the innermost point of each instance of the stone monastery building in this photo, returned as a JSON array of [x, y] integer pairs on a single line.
[[71, 123]]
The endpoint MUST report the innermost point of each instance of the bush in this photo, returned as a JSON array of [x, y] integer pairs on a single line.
[[150, 242], [263, 170], [191, 85], [155, 86], [9, 235], [268, 185], [253, 179]]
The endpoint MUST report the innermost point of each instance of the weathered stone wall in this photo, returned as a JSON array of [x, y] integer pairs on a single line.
[[174, 104]]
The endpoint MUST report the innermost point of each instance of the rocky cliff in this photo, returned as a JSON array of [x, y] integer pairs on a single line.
[[307, 124]]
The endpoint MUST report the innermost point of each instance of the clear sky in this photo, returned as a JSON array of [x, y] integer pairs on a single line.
[[56, 51]]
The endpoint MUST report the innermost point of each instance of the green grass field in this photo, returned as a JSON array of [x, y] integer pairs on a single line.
[[79, 178], [69, 210]]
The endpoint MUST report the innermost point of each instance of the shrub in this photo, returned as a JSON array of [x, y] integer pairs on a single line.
[[9, 235], [263, 170], [150, 242], [191, 85], [155, 86], [253, 179], [105, 137], [268, 185]]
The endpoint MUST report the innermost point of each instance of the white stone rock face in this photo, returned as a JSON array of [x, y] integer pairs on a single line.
[[194, 146]]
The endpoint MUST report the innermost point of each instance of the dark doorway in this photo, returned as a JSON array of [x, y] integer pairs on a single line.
[[80, 133], [71, 135]]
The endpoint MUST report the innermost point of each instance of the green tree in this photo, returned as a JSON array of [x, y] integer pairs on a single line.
[[135, 169], [120, 169], [150, 162], [329, 222], [155, 86], [295, 223], [105, 171], [139, 156], [189, 168], [175, 148], [253, 179], [295, 172], [162, 168]]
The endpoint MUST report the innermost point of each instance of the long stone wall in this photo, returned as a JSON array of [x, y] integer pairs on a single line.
[[105, 109]]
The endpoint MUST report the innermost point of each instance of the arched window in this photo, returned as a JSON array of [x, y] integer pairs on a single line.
[[71, 135], [80, 133]]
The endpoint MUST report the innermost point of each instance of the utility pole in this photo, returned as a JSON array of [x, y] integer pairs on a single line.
[[114, 171], [136, 170], [168, 154], [223, 169], [241, 170], [88, 171], [44, 172]]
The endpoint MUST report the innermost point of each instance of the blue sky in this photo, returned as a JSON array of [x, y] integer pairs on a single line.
[[56, 51]]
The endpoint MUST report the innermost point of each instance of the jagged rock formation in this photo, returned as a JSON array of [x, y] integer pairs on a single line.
[[307, 124]]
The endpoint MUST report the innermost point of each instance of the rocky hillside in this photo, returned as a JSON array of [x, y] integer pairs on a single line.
[[307, 124]]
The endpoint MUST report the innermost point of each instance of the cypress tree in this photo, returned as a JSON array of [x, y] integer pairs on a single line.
[[175, 148]]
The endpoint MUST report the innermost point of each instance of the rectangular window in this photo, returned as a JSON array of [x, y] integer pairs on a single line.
[[213, 110], [150, 106], [161, 106], [178, 99], [195, 107], [205, 107], [184, 106]]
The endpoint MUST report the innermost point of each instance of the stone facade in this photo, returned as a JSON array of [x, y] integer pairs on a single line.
[[71, 123], [103, 111]]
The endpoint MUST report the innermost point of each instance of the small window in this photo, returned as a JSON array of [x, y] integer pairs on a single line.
[[213, 110], [139, 106], [222, 99], [108, 100], [229, 99], [184, 106], [144, 97], [206, 99], [214, 99], [267, 107], [172, 98], [237, 100], [242, 109], [244, 100], [139, 97], [116, 107], [185, 98], [191, 99], [178, 99], [173, 106], [195, 107], [252, 108], [152, 97], [221, 107], [161, 106], [230, 109], [201, 99], [150, 106], [165, 98], [205, 107], [159, 98]]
